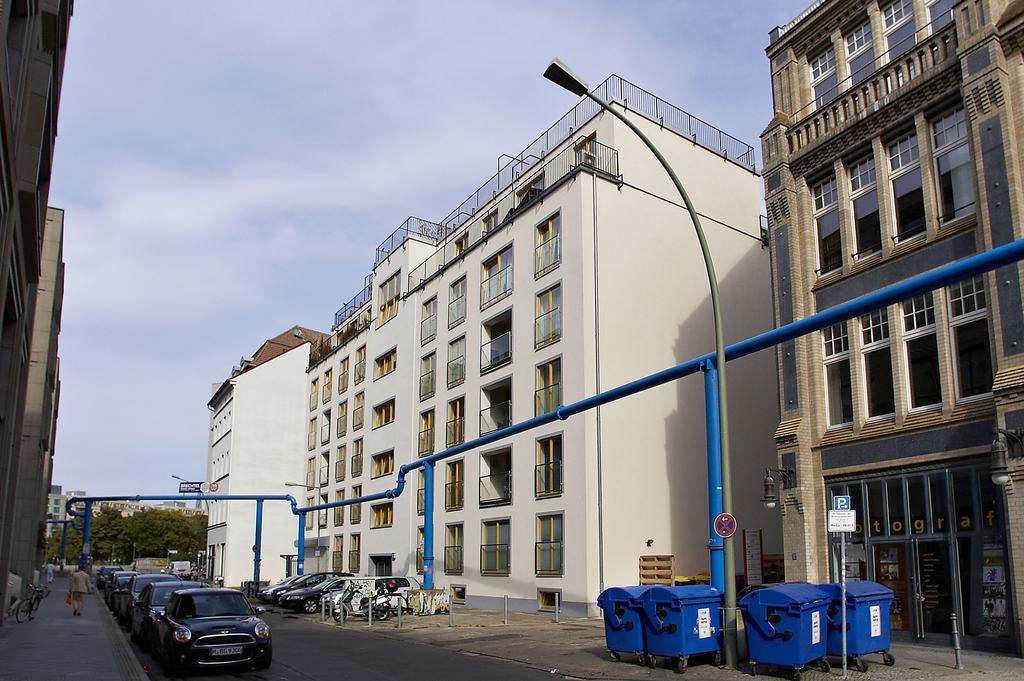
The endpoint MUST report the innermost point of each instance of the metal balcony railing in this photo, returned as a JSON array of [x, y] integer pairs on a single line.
[[311, 478], [456, 311], [342, 424], [339, 515], [311, 440], [428, 328], [456, 371], [325, 433], [325, 474], [337, 561], [322, 517], [420, 493], [453, 495], [355, 515], [453, 560], [339, 470], [426, 442], [496, 352], [342, 382], [548, 398], [419, 560], [360, 372], [353, 561], [358, 301], [357, 418], [548, 558], [325, 396], [413, 228], [496, 489], [455, 432], [427, 385], [496, 287], [548, 479], [313, 401], [357, 465], [548, 255], [494, 559], [495, 417], [547, 328]]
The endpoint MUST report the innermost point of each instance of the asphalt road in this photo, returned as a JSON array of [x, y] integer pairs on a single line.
[[307, 651]]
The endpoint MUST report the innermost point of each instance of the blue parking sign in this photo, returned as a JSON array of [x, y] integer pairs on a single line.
[[841, 503]]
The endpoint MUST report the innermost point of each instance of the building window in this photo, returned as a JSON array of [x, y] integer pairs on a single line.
[[531, 190], [340, 463], [456, 428], [489, 222], [342, 422], [339, 511], [328, 386], [343, 376], [311, 435], [383, 515], [357, 411], [428, 321], [940, 13], [953, 170], [547, 327], [496, 406], [385, 364], [864, 197], [453, 549], [877, 363], [826, 217], [454, 486], [421, 492], [322, 513], [462, 243], [496, 342], [496, 478], [549, 387], [355, 511], [497, 278], [922, 351], [387, 298], [457, 303], [311, 472], [549, 545], [337, 555], [823, 77], [547, 601], [360, 368], [838, 384], [353, 553], [898, 24], [384, 413], [325, 427], [860, 54], [309, 514], [357, 459], [456, 362], [548, 478], [548, 249], [905, 164], [314, 394], [325, 468], [494, 548], [383, 463], [969, 329], [428, 376], [426, 440]]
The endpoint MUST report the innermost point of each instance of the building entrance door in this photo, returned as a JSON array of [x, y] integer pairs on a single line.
[[381, 565], [933, 601]]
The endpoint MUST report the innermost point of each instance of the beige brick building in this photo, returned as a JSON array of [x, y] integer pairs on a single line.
[[894, 149]]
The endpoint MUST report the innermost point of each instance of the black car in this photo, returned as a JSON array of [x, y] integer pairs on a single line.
[[103, 574], [118, 581], [306, 581], [266, 594], [307, 599], [210, 628], [150, 603], [124, 601]]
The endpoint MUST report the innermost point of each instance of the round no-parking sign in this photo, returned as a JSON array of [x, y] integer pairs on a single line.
[[725, 525]]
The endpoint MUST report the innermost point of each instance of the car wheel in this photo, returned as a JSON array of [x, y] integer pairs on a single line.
[[310, 605], [262, 664]]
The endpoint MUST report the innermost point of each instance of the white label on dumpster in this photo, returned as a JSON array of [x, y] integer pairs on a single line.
[[815, 627], [703, 622], [876, 620]]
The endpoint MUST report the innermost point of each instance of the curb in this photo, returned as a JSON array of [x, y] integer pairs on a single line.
[[128, 665]]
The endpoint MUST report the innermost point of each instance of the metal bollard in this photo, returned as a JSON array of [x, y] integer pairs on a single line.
[[505, 608], [451, 607], [558, 603], [323, 609], [956, 640], [369, 612], [399, 615]]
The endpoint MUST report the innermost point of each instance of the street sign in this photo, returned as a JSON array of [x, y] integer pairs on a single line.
[[725, 525], [842, 521], [190, 487], [841, 503]]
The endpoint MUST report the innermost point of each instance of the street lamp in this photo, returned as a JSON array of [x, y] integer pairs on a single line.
[[1007, 444], [310, 488], [562, 75], [787, 475]]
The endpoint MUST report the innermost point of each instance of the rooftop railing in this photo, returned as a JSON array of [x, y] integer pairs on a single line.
[[353, 306], [413, 228]]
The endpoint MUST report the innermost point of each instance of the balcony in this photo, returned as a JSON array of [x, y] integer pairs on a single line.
[[496, 342], [420, 500], [342, 382], [339, 515], [310, 479], [337, 562], [322, 517], [342, 424], [428, 329], [326, 392], [339, 470], [311, 440], [548, 255], [456, 312], [548, 558], [325, 433], [548, 398], [496, 489], [494, 559], [357, 418], [313, 402], [355, 515], [453, 495], [495, 417], [426, 442], [427, 385], [456, 371], [325, 474], [453, 560], [455, 432], [419, 560], [353, 561], [547, 328], [496, 287], [547, 479], [357, 465], [360, 372]]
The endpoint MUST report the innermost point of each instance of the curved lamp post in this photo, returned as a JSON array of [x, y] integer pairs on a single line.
[[562, 75]]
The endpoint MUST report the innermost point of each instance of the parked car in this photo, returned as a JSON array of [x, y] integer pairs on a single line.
[[124, 601], [180, 568], [210, 628], [151, 602], [103, 575], [306, 581], [266, 593], [307, 599], [119, 580]]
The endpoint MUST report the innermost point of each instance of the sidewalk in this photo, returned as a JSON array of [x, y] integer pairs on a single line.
[[575, 648], [56, 646]]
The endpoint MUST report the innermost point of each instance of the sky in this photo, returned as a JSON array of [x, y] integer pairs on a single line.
[[228, 168]]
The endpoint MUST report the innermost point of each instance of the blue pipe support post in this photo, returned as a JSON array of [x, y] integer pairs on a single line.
[[300, 549], [922, 283], [716, 545], [428, 526], [85, 560], [63, 544], [257, 547]]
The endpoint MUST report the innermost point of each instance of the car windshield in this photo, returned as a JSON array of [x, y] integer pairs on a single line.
[[213, 605], [138, 584], [162, 592], [121, 580]]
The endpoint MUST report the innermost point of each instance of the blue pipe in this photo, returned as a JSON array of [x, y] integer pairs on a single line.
[[716, 545], [428, 526], [300, 550], [85, 561], [257, 547]]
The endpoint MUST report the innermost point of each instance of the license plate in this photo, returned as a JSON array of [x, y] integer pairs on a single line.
[[231, 650]]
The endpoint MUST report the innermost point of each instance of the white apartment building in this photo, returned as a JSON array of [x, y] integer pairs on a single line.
[[256, 420], [572, 271]]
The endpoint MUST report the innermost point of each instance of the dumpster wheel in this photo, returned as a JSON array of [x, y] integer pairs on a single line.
[[681, 664], [859, 664], [888, 659], [824, 666], [615, 657], [796, 675], [753, 668], [652, 661], [718, 658]]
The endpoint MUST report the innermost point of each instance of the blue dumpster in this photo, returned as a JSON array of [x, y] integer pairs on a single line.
[[786, 625], [681, 621], [623, 629], [867, 621]]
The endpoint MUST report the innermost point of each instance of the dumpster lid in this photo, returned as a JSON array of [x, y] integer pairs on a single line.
[[618, 593], [858, 589], [687, 592], [784, 594]]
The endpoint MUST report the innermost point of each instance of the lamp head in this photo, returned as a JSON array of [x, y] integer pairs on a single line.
[[1000, 468], [770, 499], [560, 74]]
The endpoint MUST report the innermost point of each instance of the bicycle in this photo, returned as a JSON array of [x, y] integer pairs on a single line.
[[28, 606]]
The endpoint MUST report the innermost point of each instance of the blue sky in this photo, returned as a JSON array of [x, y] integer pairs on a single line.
[[227, 169]]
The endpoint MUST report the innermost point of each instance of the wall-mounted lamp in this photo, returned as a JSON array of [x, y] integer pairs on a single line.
[[787, 475], [1007, 444]]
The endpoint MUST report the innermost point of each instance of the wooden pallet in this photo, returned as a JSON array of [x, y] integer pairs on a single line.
[[657, 570]]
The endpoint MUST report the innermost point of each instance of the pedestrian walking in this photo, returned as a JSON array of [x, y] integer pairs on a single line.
[[49, 573], [80, 586]]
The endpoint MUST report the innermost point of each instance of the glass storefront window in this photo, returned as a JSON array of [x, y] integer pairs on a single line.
[[897, 519], [876, 509], [940, 502], [963, 501], [917, 495]]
